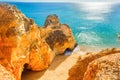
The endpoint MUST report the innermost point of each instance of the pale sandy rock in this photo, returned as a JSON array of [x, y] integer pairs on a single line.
[[5, 75], [78, 70], [104, 68]]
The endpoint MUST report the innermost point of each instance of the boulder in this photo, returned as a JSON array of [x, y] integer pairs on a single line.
[[78, 70]]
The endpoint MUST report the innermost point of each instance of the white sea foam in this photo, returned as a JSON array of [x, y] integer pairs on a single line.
[[88, 37]]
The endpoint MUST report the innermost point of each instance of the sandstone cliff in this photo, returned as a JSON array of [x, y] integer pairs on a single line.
[[22, 42], [103, 61], [104, 68], [5, 75], [58, 36]]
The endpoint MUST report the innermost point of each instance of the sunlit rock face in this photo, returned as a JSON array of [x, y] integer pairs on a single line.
[[13, 45], [85, 69], [24, 43], [58, 36], [40, 55], [5, 75], [21, 43], [104, 68]]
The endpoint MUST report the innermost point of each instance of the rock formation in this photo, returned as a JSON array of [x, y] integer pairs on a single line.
[[104, 68], [85, 69], [24, 43], [58, 36], [5, 75], [14, 45]]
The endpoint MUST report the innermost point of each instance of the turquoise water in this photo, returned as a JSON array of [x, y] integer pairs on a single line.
[[94, 24]]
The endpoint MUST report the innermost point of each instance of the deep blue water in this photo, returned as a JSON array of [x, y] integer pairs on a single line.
[[94, 24]]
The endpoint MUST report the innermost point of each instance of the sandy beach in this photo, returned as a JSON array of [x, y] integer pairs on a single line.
[[58, 70], [39, 39], [60, 66]]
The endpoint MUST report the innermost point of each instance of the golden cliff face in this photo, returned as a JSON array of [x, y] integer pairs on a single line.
[[94, 65], [22, 42], [5, 75], [104, 68], [40, 54]]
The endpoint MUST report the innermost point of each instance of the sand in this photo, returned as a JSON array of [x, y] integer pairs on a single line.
[[60, 66], [58, 70]]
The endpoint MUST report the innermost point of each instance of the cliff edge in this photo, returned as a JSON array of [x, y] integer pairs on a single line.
[[97, 66], [23, 43]]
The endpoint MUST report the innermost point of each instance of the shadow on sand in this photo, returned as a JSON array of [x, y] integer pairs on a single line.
[[30, 75]]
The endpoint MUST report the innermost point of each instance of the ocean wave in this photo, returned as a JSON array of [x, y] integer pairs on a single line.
[[88, 38]]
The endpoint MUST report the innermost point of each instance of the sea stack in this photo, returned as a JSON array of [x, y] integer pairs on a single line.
[[58, 36], [22, 42]]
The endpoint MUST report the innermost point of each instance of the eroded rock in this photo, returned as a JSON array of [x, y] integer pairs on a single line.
[[104, 68], [58, 36], [18, 34], [41, 54], [78, 70], [5, 75], [22, 42]]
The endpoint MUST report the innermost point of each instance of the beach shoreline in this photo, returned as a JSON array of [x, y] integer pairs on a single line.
[[60, 66]]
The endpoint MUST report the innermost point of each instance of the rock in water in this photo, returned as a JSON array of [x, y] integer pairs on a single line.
[[58, 36], [22, 42], [77, 72]]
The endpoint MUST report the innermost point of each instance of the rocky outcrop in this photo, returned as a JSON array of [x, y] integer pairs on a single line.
[[85, 69], [104, 68], [14, 45], [22, 43], [5, 75], [58, 36]]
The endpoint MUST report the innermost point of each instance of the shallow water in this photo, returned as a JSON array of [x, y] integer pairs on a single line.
[[93, 24]]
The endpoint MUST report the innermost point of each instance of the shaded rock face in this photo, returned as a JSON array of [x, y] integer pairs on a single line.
[[85, 69], [24, 43], [58, 36]]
